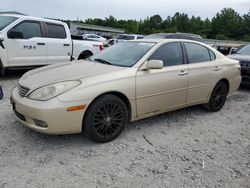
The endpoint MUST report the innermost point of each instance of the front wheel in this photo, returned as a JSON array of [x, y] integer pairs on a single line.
[[105, 119], [218, 97]]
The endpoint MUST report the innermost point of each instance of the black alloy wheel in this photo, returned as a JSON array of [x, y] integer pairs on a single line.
[[105, 119], [218, 97]]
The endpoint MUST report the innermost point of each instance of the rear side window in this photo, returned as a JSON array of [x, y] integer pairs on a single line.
[[197, 53], [29, 29], [56, 31], [212, 56], [170, 54]]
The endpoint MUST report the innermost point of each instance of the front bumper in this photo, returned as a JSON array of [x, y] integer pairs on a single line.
[[53, 112]]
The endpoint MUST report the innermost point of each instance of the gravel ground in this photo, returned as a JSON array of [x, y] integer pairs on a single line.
[[185, 148]]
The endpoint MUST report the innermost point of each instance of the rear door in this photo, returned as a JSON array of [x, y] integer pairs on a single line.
[[203, 70], [59, 47], [30, 50]]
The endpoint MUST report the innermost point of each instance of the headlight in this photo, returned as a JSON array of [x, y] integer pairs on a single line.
[[47, 92]]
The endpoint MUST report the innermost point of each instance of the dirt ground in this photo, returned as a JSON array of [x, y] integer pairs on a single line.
[[185, 148]]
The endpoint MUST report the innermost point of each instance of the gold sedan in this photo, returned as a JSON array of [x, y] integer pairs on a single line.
[[126, 82]]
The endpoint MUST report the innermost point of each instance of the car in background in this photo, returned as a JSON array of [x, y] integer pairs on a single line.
[[125, 37], [133, 37], [27, 41], [126, 82], [188, 36], [243, 56], [95, 37], [120, 37], [227, 48]]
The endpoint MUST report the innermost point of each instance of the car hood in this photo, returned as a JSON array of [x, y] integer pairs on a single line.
[[64, 72], [239, 57]]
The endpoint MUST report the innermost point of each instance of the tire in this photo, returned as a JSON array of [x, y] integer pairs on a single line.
[[218, 97], [1, 71], [105, 119], [85, 55]]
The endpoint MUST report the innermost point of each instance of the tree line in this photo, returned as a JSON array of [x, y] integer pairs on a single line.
[[225, 25]]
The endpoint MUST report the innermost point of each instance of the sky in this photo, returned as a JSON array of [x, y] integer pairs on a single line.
[[121, 9]]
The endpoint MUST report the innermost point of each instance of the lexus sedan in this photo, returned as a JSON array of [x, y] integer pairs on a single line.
[[126, 82]]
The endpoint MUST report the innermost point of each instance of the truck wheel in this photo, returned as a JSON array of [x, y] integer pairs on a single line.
[[85, 55], [1, 71]]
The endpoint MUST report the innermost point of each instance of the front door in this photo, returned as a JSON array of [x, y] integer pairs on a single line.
[[29, 50], [163, 89]]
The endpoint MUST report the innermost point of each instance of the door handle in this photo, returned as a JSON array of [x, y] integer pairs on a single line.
[[182, 73], [40, 43], [66, 44], [216, 68]]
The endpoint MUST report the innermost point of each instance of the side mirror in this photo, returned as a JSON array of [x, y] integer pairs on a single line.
[[154, 64], [15, 35]]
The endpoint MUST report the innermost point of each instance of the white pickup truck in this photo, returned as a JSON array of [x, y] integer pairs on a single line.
[[27, 41]]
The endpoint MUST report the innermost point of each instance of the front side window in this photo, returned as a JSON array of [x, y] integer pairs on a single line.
[[121, 37], [130, 37], [124, 54], [140, 37], [170, 53], [6, 20], [197, 53], [29, 29], [56, 31]]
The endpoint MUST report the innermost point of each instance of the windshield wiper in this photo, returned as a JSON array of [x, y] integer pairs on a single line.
[[103, 61]]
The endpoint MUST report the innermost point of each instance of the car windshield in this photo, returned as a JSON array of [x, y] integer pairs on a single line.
[[124, 54], [245, 50], [6, 20]]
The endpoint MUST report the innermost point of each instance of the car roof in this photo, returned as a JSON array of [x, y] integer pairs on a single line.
[[191, 35], [168, 40], [34, 18]]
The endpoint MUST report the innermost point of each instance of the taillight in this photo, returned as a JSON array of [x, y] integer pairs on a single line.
[[101, 47]]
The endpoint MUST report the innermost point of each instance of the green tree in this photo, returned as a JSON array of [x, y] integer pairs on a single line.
[[227, 23], [181, 22]]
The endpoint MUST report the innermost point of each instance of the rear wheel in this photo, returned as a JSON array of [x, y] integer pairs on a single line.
[[85, 55], [1, 69], [105, 119], [218, 97]]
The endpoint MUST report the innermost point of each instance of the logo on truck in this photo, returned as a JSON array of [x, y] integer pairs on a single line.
[[29, 47]]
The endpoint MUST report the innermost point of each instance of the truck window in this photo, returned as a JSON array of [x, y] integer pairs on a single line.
[[56, 31], [29, 29]]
